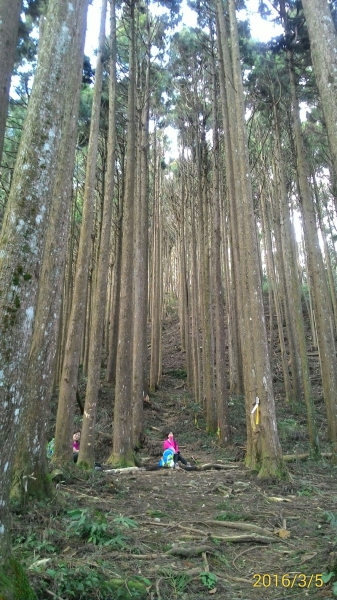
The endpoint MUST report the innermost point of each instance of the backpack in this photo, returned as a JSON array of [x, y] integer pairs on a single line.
[[50, 448], [167, 459]]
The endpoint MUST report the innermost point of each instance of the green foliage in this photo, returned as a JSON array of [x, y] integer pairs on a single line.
[[177, 373], [125, 522], [306, 491], [286, 427], [332, 575], [94, 528], [228, 516], [208, 579], [127, 589], [332, 519], [81, 583], [327, 577], [14, 584], [177, 581], [33, 542], [90, 527]]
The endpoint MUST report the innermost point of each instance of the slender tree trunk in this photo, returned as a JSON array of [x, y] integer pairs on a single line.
[[9, 28], [86, 454], [266, 452], [205, 294], [219, 316], [235, 299], [326, 252], [68, 384], [323, 46], [122, 433], [266, 225], [140, 384], [115, 300], [195, 312], [156, 313], [318, 284]]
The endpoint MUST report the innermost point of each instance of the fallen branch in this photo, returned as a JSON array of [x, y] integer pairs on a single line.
[[294, 457], [194, 551], [125, 470], [259, 539], [242, 526], [157, 587], [206, 567], [217, 467]]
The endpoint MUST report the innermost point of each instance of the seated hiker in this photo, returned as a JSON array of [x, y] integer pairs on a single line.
[[76, 444], [171, 444]]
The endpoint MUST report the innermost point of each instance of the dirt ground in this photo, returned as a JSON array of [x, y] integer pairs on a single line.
[[186, 534]]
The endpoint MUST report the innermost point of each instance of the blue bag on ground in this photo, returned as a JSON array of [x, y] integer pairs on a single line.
[[167, 459]]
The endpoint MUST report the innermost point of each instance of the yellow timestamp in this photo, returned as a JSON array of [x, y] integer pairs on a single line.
[[300, 580]]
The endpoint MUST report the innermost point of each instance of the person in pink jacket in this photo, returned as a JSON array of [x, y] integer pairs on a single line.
[[171, 443]]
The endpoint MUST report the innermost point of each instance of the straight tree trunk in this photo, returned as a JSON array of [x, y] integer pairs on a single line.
[[323, 46], [23, 232], [140, 383], [115, 300], [156, 313], [31, 469], [86, 454], [209, 403], [221, 393], [235, 310], [69, 379], [9, 28], [122, 431], [321, 299], [266, 452]]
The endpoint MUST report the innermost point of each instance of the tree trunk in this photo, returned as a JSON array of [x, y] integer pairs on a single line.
[[23, 233], [322, 306], [221, 393], [323, 46], [140, 384], [265, 451], [86, 454], [235, 299], [156, 282], [122, 433], [9, 27], [68, 384], [31, 470]]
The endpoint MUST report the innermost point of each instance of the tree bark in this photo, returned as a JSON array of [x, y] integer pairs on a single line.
[[9, 27], [265, 451], [323, 46], [23, 233], [122, 436], [31, 469], [140, 384], [317, 278], [68, 385], [86, 454]]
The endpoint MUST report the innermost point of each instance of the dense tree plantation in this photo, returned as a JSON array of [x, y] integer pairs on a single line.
[[104, 235]]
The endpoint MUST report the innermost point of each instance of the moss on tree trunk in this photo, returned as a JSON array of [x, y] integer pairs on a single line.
[[14, 583]]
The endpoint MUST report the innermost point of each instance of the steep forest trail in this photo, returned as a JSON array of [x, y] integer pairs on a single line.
[[184, 534]]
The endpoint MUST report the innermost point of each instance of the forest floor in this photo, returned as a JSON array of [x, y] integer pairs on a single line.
[[185, 534]]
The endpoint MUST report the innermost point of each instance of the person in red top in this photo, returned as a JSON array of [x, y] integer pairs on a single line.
[[76, 444], [171, 443]]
